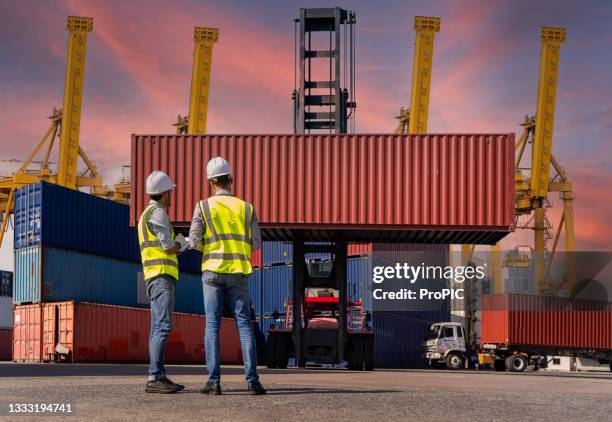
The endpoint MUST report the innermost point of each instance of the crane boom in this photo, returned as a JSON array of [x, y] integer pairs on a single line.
[[204, 38], [77, 27], [552, 38], [425, 28]]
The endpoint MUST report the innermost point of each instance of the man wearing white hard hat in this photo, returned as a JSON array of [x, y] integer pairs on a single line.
[[225, 229], [158, 249]]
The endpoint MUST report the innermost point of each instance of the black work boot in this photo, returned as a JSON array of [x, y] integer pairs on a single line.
[[179, 387], [214, 389], [160, 386], [255, 388]]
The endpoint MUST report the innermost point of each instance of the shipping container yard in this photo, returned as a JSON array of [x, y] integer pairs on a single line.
[[409, 223]]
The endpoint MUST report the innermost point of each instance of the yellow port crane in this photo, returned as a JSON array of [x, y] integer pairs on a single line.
[[414, 120], [65, 122], [534, 184], [195, 121]]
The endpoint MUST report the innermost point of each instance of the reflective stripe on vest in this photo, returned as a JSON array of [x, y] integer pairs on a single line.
[[227, 236], [155, 260]]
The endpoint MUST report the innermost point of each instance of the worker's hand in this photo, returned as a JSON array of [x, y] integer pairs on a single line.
[[176, 248]]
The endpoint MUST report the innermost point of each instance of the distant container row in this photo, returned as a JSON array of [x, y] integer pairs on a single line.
[[85, 332], [6, 284], [47, 274], [51, 215]]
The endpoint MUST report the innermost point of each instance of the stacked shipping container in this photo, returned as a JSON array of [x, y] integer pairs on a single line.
[[6, 314], [71, 246], [86, 332]]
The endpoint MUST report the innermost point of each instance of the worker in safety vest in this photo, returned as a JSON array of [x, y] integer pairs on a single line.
[[158, 250], [225, 229]]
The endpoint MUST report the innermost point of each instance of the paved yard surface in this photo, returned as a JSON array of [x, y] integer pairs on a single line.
[[115, 392]]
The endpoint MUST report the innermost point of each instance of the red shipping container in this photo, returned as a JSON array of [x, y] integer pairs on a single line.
[[396, 188], [546, 322], [27, 333], [6, 343], [87, 332]]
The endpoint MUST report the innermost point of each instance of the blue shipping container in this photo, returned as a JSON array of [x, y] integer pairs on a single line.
[[44, 274], [398, 337], [276, 253], [6, 283], [51, 215]]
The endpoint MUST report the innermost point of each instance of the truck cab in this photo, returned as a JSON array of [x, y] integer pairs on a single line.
[[445, 345]]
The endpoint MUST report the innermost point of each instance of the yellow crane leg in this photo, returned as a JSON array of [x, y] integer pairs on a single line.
[[496, 269], [570, 242], [78, 27], [539, 248], [425, 28], [204, 38]]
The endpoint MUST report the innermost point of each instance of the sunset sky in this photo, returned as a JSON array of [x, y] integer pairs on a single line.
[[485, 75]]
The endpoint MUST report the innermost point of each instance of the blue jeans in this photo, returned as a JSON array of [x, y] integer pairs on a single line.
[[161, 292], [234, 288]]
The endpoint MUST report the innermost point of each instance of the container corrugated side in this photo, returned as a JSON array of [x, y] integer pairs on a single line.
[[106, 333], [47, 274], [6, 344], [400, 188], [64, 218], [546, 322], [27, 333], [398, 338], [51, 215], [6, 312]]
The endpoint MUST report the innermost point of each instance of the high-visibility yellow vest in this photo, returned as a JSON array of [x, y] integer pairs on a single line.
[[155, 260], [227, 236]]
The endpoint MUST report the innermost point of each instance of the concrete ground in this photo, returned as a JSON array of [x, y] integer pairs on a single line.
[[115, 392]]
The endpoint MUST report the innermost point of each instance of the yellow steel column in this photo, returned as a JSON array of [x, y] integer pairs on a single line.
[[77, 27], [539, 248], [425, 28], [496, 270], [570, 242], [204, 38], [552, 38]]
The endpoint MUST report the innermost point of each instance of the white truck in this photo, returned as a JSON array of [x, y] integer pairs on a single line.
[[445, 346]]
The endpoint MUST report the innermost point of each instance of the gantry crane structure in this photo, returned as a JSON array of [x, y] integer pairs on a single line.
[[534, 184], [195, 121], [65, 124]]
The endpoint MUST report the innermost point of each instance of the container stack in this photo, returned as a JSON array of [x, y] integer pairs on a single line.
[[270, 289], [71, 247], [6, 314]]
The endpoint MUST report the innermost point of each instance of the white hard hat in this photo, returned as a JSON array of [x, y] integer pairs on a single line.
[[217, 167], [158, 182]]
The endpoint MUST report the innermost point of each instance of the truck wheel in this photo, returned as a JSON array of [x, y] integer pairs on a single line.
[[499, 365], [454, 361], [271, 351], [516, 363]]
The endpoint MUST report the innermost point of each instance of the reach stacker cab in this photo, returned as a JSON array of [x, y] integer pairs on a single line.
[[321, 325]]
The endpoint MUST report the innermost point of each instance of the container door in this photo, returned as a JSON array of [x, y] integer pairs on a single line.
[[27, 276]]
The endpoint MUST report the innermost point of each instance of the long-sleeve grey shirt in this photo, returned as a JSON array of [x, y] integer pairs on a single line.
[[159, 224], [198, 227]]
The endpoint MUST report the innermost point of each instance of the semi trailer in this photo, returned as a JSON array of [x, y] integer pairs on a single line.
[[520, 331]]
